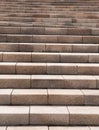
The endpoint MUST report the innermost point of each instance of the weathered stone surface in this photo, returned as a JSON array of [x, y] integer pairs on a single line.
[[58, 47], [12, 115], [85, 48], [27, 128], [84, 115], [47, 81], [65, 97], [69, 128], [91, 97], [69, 39], [74, 58], [29, 96], [16, 57], [45, 57], [31, 68], [14, 81], [61, 68], [72, 81], [47, 115]]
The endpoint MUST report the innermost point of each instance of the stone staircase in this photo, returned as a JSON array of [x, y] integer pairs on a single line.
[[49, 64]]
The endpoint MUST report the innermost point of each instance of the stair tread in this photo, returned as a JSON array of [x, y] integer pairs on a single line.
[[50, 128]]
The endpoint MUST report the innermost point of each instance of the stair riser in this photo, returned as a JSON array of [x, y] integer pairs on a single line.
[[51, 47], [48, 81], [47, 31], [60, 15], [49, 97], [49, 58], [49, 39], [44, 47], [59, 115], [51, 69], [47, 24]]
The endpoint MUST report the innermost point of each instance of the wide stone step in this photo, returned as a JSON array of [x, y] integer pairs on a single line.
[[47, 24], [48, 31], [49, 15], [49, 97], [40, 5], [35, 13], [52, 21], [28, 16], [49, 3], [57, 20], [15, 38], [49, 115], [81, 14], [49, 57], [49, 47], [49, 68], [49, 81], [48, 9]]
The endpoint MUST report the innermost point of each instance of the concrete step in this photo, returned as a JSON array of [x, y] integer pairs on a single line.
[[60, 97], [48, 9], [46, 57], [49, 68], [51, 4], [51, 24], [71, 14], [52, 20], [63, 3], [60, 13], [49, 115], [15, 38], [56, 14], [48, 31], [49, 81], [49, 47]]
